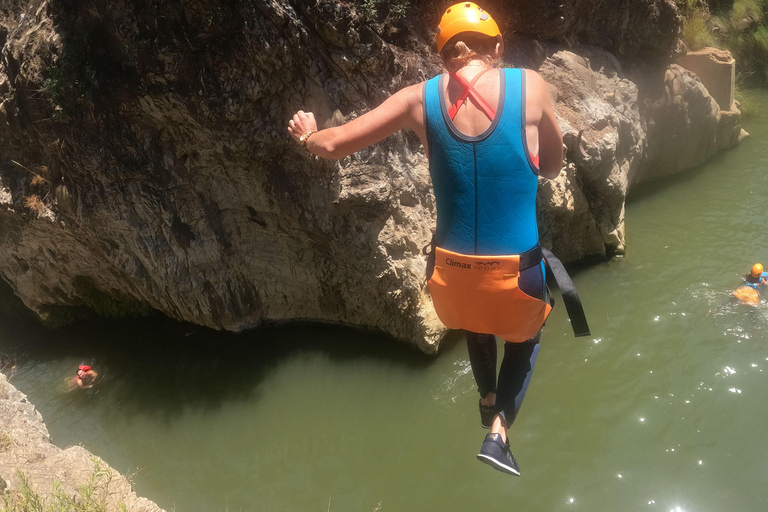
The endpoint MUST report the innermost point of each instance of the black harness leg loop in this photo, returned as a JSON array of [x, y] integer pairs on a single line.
[[570, 295]]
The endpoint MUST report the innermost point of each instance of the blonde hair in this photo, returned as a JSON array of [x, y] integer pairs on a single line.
[[457, 54]]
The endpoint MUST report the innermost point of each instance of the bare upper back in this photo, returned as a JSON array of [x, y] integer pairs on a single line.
[[471, 120]]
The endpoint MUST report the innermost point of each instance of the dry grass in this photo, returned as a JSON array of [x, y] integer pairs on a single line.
[[7, 364], [35, 204], [6, 442], [38, 176], [90, 497]]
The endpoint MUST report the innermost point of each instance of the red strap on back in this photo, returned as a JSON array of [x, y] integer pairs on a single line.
[[469, 90]]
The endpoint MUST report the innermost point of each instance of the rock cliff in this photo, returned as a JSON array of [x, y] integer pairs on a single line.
[[145, 164], [26, 450]]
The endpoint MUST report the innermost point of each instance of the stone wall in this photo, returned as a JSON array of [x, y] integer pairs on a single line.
[[717, 71]]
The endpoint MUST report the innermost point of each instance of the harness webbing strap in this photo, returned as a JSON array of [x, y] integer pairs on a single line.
[[531, 258], [469, 90], [570, 295]]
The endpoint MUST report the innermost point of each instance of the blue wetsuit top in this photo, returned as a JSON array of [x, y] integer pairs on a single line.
[[756, 285], [485, 186]]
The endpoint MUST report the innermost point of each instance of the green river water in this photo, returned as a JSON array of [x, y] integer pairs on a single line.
[[661, 409]]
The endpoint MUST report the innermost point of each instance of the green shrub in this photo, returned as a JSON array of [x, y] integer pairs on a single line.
[[761, 40], [88, 68], [745, 8], [383, 10], [741, 29], [748, 103], [697, 32]]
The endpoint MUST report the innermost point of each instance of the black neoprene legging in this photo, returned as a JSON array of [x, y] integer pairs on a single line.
[[514, 375], [519, 358]]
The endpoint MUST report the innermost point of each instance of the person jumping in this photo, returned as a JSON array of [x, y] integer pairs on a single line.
[[489, 134]]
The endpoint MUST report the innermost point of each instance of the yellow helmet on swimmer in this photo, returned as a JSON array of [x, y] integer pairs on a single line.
[[465, 17], [757, 269]]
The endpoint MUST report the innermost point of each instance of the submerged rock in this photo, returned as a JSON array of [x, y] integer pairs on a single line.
[[145, 163]]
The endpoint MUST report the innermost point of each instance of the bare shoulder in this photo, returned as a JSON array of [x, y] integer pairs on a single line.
[[535, 84], [412, 93], [411, 100]]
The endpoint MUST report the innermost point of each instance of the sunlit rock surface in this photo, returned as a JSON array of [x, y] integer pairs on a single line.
[[717, 71], [145, 163], [686, 126], [26, 447], [583, 209]]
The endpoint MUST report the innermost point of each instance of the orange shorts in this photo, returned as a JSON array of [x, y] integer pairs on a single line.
[[481, 294]]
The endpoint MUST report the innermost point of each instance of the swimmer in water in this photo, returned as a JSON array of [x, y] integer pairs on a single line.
[[749, 292], [756, 277], [86, 377]]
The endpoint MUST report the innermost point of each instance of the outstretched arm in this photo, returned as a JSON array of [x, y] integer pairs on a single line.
[[402, 109]]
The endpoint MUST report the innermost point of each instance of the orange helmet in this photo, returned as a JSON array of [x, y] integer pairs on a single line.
[[465, 17], [757, 269]]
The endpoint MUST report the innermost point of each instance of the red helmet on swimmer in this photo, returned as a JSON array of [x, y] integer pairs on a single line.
[[465, 17]]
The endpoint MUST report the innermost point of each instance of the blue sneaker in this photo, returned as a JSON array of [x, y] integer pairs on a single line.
[[496, 454]]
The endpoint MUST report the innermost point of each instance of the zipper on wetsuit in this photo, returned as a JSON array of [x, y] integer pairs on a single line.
[[474, 159]]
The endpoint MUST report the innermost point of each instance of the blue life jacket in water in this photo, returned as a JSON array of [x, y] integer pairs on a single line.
[[485, 186], [755, 282]]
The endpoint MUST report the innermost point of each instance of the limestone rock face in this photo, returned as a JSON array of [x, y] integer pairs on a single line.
[[582, 211], [686, 126], [26, 446], [177, 188], [646, 30], [145, 163]]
